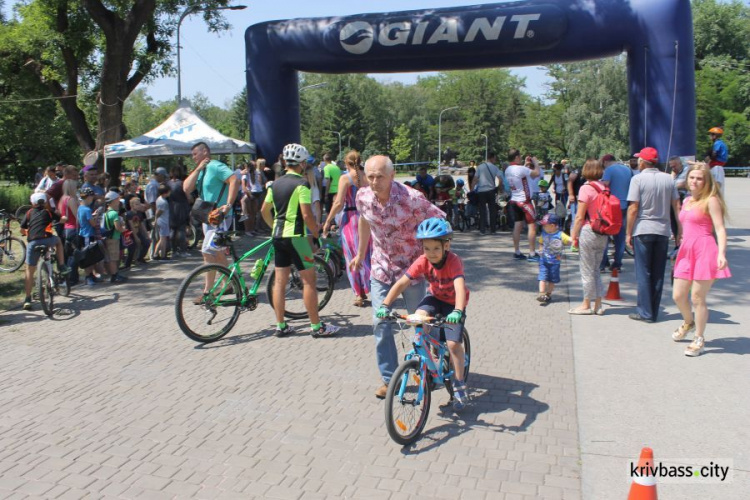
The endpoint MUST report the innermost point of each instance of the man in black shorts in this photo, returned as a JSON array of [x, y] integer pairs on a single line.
[[287, 209]]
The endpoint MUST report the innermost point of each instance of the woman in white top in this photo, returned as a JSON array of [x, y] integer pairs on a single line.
[[253, 182], [49, 178]]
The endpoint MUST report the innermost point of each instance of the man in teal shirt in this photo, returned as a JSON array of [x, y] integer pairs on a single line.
[[331, 174], [216, 183]]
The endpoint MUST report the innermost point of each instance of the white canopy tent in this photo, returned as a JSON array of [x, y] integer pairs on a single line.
[[175, 137]]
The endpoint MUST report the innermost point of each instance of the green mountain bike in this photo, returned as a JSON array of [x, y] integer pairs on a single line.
[[211, 298]]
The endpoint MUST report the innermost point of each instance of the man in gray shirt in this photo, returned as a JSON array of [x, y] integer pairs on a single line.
[[487, 172], [650, 195]]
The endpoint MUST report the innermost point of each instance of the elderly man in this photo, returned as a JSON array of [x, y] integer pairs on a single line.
[[152, 188], [617, 177], [651, 194], [390, 213]]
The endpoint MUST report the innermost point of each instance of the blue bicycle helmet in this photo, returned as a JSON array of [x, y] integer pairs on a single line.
[[460, 182], [434, 229]]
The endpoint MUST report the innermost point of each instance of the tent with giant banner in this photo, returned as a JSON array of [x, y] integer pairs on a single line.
[[175, 137]]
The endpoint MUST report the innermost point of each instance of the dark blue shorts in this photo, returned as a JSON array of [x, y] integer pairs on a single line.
[[549, 271], [434, 306]]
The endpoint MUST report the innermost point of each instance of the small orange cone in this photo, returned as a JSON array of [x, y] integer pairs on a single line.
[[613, 292], [644, 486]]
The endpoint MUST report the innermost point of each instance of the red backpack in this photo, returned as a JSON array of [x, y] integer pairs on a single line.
[[608, 218]]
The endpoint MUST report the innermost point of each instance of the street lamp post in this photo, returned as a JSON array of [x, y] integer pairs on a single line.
[[440, 137], [486, 146], [192, 10], [339, 134]]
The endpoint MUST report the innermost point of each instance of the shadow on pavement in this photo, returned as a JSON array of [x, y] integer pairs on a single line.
[[66, 308], [489, 395], [728, 345]]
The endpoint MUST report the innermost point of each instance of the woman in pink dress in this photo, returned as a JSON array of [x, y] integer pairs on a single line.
[[345, 200], [700, 260]]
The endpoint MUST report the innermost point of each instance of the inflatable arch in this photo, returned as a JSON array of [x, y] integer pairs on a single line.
[[656, 34]]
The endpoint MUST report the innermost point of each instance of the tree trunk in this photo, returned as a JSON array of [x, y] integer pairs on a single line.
[[111, 101]]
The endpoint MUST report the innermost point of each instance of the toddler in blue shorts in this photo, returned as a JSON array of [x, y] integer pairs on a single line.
[[552, 241]]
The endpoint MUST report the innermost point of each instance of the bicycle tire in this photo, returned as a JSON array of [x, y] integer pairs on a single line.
[[45, 290], [21, 212], [191, 316], [395, 409], [297, 309], [12, 254], [191, 235]]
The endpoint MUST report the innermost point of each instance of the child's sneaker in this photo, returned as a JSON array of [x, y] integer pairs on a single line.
[[90, 281], [325, 331], [117, 278], [519, 256], [27, 304], [533, 258], [547, 298], [541, 297], [460, 397]]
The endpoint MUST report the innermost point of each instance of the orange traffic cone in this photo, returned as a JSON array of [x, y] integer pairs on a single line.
[[613, 292], [644, 485]]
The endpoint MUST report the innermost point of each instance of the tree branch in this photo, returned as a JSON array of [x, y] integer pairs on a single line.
[[102, 16], [145, 65]]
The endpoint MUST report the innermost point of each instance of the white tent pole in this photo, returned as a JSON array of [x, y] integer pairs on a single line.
[[105, 164], [232, 160], [149, 167]]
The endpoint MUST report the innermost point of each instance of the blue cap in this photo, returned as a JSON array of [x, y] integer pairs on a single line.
[[550, 219]]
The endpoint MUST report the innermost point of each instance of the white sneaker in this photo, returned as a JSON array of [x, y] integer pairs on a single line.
[[325, 330]]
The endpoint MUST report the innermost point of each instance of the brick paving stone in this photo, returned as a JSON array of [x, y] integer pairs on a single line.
[[152, 413]]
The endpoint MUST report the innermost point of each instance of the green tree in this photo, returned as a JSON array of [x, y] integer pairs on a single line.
[[93, 54], [402, 144]]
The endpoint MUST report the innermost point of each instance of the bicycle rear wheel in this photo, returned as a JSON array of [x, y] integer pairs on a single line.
[[405, 414], [208, 303], [21, 212], [294, 306], [12, 254], [45, 290]]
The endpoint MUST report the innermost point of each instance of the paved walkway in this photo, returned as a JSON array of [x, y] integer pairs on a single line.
[[635, 387], [110, 400], [113, 401]]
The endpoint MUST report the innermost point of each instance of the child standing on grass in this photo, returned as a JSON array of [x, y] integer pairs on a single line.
[[447, 294], [162, 223], [552, 241]]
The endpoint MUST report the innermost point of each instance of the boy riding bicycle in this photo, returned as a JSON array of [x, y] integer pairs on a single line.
[[37, 225], [446, 296]]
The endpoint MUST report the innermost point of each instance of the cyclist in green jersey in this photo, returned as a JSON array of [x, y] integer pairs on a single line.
[[287, 209]]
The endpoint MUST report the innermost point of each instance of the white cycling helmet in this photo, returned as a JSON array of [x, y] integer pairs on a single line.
[[38, 198], [295, 153]]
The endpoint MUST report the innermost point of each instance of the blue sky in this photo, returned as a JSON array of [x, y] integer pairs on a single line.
[[214, 64]]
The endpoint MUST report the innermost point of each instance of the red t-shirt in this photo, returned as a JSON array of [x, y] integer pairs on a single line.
[[440, 280]]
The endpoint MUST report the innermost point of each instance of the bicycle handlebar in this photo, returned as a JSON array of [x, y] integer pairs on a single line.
[[418, 319]]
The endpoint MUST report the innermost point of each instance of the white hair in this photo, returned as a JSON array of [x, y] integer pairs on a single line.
[[378, 158]]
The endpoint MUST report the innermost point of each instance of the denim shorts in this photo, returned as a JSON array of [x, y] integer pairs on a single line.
[[433, 306], [549, 271], [33, 252]]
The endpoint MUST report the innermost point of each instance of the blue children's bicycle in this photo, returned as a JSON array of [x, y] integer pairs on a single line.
[[425, 368]]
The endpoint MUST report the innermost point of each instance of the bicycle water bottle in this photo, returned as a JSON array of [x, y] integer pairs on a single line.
[[257, 269]]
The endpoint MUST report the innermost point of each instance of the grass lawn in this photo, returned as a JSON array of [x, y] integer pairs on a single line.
[[11, 289]]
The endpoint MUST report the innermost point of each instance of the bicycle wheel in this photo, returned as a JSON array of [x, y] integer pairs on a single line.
[[208, 303], [294, 306], [21, 212], [12, 254], [194, 234], [45, 290], [405, 415]]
